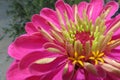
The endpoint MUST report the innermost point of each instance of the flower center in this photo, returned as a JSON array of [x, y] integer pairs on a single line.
[[83, 37], [83, 40]]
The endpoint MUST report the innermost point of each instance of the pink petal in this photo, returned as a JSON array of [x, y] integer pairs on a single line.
[[50, 15], [79, 75], [111, 77], [116, 35], [101, 72], [63, 7], [82, 6], [93, 11], [15, 74], [111, 23], [114, 7], [30, 28], [84, 75], [25, 44], [56, 74], [40, 22], [69, 11], [48, 67], [69, 72], [115, 54], [93, 77], [33, 56], [33, 78]]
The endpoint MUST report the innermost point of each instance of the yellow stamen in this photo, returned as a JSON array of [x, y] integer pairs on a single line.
[[74, 62], [96, 62], [77, 59], [101, 54], [81, 57], [76, 54], [92, 58], [81, 63], [97, 57], [101, 60]]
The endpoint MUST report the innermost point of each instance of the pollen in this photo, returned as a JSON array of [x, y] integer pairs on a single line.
[[77, 59], [97, 57]]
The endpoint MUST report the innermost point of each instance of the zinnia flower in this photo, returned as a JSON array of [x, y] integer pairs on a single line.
[[81, 42]]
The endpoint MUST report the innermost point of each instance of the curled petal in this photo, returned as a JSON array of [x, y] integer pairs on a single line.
[[34, 56], [47, 67]]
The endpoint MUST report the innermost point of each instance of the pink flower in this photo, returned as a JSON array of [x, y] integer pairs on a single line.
[[81, 42]]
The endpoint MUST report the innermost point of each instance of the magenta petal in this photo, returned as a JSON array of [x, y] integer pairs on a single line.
[[115, 54], [15, 74], [69, 72], [63, 7], [93, 77], [114, 21], [30, 28], [79, 75], [81, 7], [25, 44], [116, 35], [69, 11], [33, 56], [48, 67], [93, 11], [114, 7], [111, 77], [40, 22], [56, 74], [34, 78], [102, 73], [50, 15], [111, 23]]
